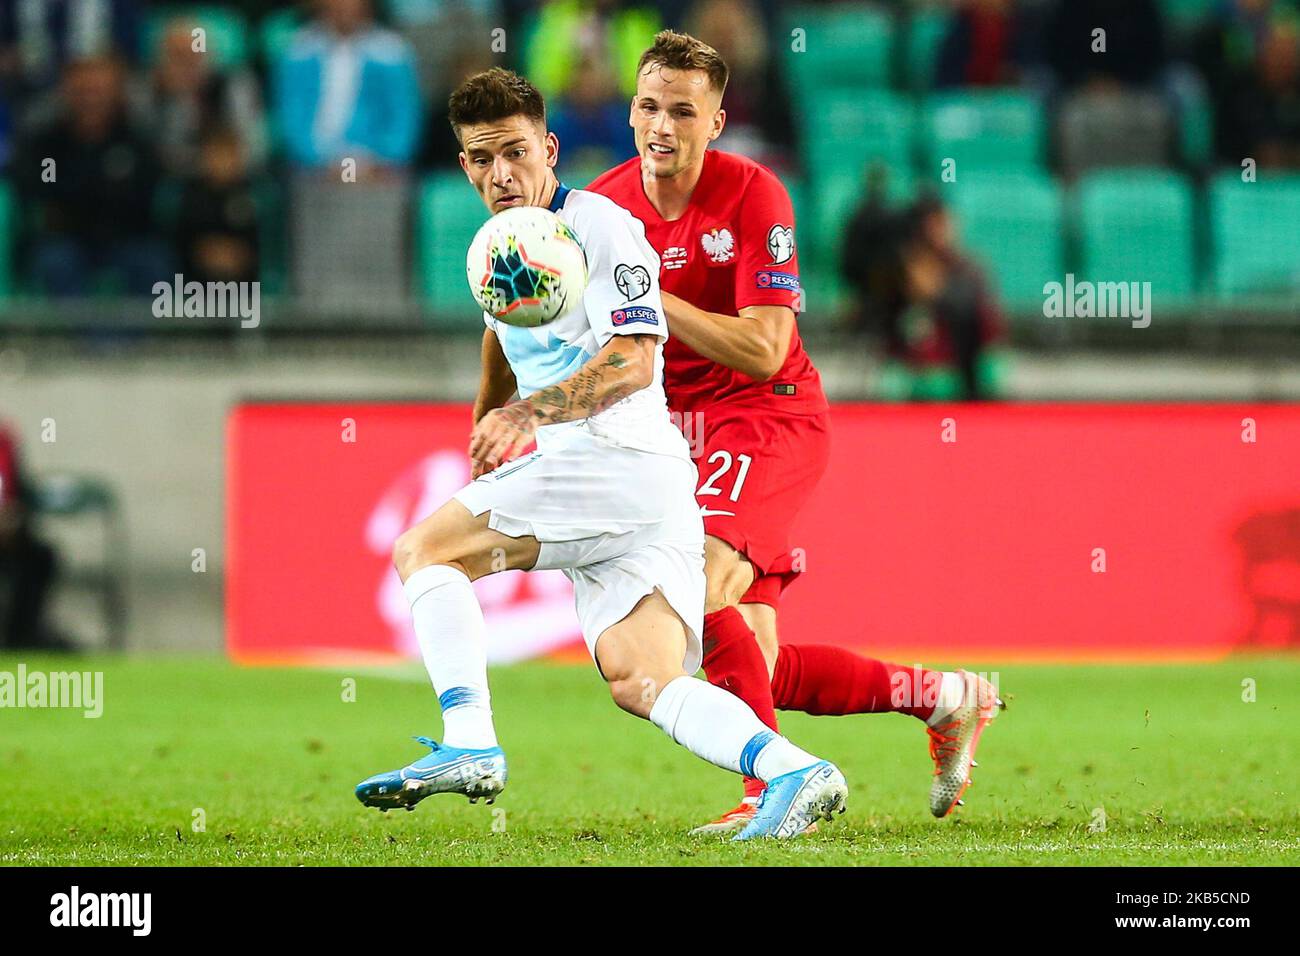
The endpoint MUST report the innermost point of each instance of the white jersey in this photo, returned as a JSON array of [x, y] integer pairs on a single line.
[[622, 298]]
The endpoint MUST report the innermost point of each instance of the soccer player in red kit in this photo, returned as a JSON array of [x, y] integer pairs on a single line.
[[723, 226]]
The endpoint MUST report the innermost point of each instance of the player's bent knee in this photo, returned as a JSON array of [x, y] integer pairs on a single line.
[[632, 694], [725, 583], [727, 574], [417, 548], [637, 692], [406, 550]]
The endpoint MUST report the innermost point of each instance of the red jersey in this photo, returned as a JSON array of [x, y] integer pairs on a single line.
[[732, 248]]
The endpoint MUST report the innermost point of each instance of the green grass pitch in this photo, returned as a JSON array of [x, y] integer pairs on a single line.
[[1184, 770]]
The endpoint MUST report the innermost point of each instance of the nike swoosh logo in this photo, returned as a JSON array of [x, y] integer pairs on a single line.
[[705, 512]]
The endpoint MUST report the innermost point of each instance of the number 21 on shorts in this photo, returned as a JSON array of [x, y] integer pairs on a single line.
[[742, 461]]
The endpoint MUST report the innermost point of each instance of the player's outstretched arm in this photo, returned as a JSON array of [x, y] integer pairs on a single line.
[[496, 384], [755, 343], [625, 365]]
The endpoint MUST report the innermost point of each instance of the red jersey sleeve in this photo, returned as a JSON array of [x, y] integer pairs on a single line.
[[767, 267]]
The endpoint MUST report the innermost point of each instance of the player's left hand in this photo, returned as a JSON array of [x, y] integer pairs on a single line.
[[500, 435]]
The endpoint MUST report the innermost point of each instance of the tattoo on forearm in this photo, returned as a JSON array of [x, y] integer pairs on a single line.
[[588, 392]]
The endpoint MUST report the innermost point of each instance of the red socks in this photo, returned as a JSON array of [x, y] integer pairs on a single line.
[[734, 662], [815, 679], [822, 679]]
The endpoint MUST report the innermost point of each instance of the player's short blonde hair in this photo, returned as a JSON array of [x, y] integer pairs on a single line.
[[681, 51]]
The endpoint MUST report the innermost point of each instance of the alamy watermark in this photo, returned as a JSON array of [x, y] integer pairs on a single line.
[[76, 690], [208, 300], [1103, 300], [133, 911]]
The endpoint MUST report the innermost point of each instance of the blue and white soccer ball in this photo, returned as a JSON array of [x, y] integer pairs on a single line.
[[526, 267]]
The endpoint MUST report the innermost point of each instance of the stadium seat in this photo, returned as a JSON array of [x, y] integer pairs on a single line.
[[997, 131], [1255, 236], [923, 39], [1138, 226], [844, 46], [1196, 129], [450, 212], [848, 129], [77, 496], [1114, 128], [8, 227], [276, 33], [1185, 15], [899, 382], [226, 32], [1011, 222]]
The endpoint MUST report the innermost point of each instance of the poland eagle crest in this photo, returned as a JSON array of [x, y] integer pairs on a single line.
[[719, 245]]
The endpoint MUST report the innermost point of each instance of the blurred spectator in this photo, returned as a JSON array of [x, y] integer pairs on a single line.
[[606, 31], [956, 317], [1134, 35], [216, 228], [348, 89], [187, 96], [917, 290], [87, 180], [988, 43], [1225, 45], [440, 146], [870, 262], [1258, 103], [39, 38], [438, 30], [27, 564], [758, 117], [591, 120], [6, 133]]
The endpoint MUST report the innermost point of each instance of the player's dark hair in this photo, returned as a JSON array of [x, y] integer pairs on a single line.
[[493, 95], [681, 51]]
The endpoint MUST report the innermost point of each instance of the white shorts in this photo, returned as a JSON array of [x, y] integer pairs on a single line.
[[619, 523]]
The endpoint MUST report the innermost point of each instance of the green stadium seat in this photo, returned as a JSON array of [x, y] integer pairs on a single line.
[[923, 39], [1196, 129], [73, 496], [8, 228], [848, 130], [276, 33], [449, 214], [1011, 223], [1137, 225], [1186, 15], [996, 130], [1255, 235], [226, 29], [900, 382], [845, 46]]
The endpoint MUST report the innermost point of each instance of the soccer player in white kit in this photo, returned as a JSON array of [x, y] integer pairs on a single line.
[[608, 497]]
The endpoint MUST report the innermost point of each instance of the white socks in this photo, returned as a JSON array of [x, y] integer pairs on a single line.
[[706, 720], [449, 625], [952, 694], [721, 728]]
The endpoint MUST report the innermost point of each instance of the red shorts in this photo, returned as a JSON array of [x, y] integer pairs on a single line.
[[757, 469]]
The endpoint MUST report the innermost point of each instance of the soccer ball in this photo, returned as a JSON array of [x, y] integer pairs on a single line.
[[526, 267]]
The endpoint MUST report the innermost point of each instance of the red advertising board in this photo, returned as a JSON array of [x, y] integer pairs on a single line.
[[940, 533]]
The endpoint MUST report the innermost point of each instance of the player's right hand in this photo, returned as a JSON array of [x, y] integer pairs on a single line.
[[501, 434]]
